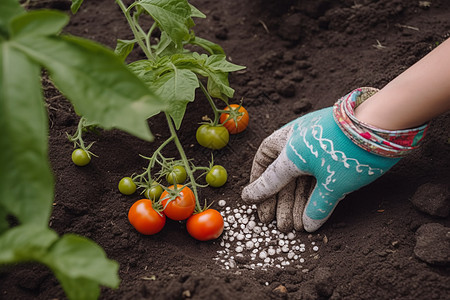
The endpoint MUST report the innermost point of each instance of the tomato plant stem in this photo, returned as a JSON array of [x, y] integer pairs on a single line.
[[211, 102], [133, 27], [184, 160]]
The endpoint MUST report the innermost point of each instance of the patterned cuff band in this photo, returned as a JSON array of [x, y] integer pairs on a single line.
[[388, 143]]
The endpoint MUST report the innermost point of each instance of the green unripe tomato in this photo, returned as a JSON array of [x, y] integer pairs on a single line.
[[176, 175], [217, 176], [80, 157], [212, 137], [153, 192], [127, 186]]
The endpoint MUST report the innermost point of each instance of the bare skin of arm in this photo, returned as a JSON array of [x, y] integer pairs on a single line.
[[414, 97]]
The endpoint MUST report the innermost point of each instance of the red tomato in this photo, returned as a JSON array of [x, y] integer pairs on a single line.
[[242, 121], [144, 218], [182, 206], [205, 226]]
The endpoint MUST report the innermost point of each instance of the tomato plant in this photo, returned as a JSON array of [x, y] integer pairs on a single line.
[[153, 192], [213, 137], [176, 175], [216, 176], [127, 186], [80, 157], [205, 226], [178, 203], [144, 218], [238, 122]]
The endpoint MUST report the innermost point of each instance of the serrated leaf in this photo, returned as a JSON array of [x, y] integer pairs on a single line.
[[38, 22], [99, 85], [166, 46], [218, 85], [196, 13], [26, 182], [219, 63], [140, 67], [178, 88], [75, 6], [8, 10], [172, 16], [124, 48], [209, 46]]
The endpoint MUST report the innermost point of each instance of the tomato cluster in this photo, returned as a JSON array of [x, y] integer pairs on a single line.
[[177, 202], [145, 216]]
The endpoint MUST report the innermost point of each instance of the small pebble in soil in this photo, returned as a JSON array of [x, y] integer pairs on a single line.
[[257, 245]]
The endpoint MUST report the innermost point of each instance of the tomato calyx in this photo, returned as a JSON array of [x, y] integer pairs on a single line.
[[233, 113], [172, 192], [234, 118]]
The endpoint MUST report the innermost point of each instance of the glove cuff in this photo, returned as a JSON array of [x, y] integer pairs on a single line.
[[387, 143]]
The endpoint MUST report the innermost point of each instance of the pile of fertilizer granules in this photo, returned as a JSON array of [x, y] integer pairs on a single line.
[[248, 243]]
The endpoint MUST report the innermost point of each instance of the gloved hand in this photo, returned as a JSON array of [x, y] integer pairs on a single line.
[[314, 146]]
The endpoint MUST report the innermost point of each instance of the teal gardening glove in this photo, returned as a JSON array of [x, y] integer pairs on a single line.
[[315, 146]]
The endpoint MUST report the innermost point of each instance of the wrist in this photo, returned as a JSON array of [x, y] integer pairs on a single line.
[[362, 131]]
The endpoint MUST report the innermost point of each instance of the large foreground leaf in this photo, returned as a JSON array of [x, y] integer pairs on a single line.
[[8, 10], [79, 264], [26, 183]]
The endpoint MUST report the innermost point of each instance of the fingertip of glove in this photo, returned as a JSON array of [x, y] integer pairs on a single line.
[[311, 225], [246, 195]]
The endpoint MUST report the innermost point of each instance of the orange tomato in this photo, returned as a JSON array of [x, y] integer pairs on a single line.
[[205, 226], [181, 207], [241, 121], [144, 218]]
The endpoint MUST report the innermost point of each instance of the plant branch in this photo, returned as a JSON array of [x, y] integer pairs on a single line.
[[184, 160], [136, 33]]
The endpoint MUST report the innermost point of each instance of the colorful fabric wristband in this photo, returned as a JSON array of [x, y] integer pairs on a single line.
[[387, 143]]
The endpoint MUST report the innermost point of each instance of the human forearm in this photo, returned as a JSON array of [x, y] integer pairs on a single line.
[[417, 95]]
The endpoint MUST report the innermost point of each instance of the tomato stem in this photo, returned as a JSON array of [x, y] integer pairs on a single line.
[[135, 28], [211, 102], [184, 159], [77, 138]]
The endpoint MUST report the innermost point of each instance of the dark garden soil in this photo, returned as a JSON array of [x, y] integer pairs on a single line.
[[300, 56]]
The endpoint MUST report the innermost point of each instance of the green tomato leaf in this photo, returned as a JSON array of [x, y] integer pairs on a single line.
[[195, 13], [178, 87], [209, 46], [25, 243], [80, 265], [26, 181], [75, 6], [218, 85], [124, 48], [220, 64], [166, 46], [38, 22], [8, 10], [140, 67], [172, 16], [99, 85]]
